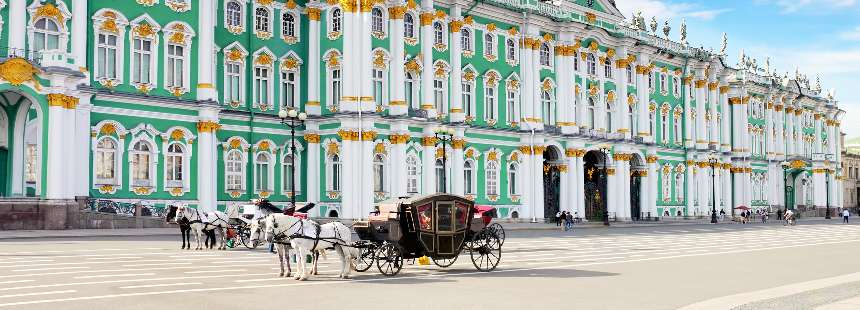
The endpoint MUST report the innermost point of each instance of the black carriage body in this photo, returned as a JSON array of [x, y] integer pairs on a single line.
[[436, 225]]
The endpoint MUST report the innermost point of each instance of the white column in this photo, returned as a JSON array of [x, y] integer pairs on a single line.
[[600, 102], [457, 109], [205, 55], [651, 194], [80, 18], [580, 91], [623, 114], [690, 184], [429, 162], [57, 180], [817, 145], [643, 96], [397, 74], [725, 121], [427, 59], [207, 128], [789, 130], [768, 130], [565, 188], [701, 102], [712, 106], [537, 180], [313, 106], [311, 187], [17, 26], [579, 178], [456, 161], [689, 135], [353, 55], [81, 176]]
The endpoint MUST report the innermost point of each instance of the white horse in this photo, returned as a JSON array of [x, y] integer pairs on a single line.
[[282, 246], [217, 222], [306, 237]]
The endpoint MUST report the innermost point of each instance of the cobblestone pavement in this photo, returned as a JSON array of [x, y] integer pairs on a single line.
[[630, 268]]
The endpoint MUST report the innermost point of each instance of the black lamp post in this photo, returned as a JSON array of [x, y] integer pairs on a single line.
[[785, 167], [827, 185], [293, 119], [605, 151], [713, 162], [444, 135]]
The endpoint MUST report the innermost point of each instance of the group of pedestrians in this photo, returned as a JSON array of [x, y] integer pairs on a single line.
[[565, 220]]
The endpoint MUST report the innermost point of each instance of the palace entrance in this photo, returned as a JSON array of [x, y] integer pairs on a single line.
[[551, 181], [21, 124], [637, 171], [595, 186]]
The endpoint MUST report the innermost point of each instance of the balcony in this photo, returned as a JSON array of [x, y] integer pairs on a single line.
[[41, 58]]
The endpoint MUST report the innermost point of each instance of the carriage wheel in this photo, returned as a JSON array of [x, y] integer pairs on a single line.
[[500, 232], [486, 251], [389, 260], [445, 262], [366, 256], [245, 236]]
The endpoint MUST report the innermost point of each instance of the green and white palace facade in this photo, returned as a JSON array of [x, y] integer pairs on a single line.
[[165, 102]]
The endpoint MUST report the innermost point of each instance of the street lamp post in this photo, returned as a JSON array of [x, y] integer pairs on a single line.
[[293, 119], [785, 166], [444, 135], [713, 162], [605, 151]]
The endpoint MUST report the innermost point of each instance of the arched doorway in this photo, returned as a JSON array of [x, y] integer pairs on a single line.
[[637, 171], [595, 185], [551, 181], [21, 146]]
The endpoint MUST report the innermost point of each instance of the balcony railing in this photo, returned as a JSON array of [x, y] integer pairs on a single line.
[[40, 58]]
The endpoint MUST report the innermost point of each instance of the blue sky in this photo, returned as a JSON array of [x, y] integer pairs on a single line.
[[820, 37]]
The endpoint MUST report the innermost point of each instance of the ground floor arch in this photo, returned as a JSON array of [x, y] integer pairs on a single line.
[[552, 162], [21, 126], [595, 185], [638, 173]]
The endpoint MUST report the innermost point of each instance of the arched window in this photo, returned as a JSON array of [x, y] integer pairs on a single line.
[[289, 25], [664, 128], [106, 54], [651, 125], [261, 19], [408, 26], [468, 97], [589, 116], [174, 165], [679, 186], [234, 171], [466, 39], [651, 81], [411, 90], [489, 102], [438, 33], [262, 166], [489, 44], [441, 182], [676, 127], [335, 173], [510, 112], [234, 14], [335, 20], [663, 87], [413, 174], [548, 109], [376, 20], [511, 50], [591, 64], [46, 36], [631, 113], [676, 87], [545, 55], [607, 68], [289, 173], [492, 178], [667, 184], [378, 173], [106, 156], [141, 157], [513, 190], [608, 116], [468, 178]]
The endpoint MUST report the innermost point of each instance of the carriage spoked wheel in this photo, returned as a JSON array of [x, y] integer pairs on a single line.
[[486, 251], [366, 256], [445, 262], [500, 232], [245, 237], [389, 259]]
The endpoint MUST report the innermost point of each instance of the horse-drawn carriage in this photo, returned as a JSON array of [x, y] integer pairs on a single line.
[[438, 226], [240, 222]]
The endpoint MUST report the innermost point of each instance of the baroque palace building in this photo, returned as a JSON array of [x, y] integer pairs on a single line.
[[164, 102]]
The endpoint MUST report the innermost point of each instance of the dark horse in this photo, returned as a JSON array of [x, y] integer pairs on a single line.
[[185, 230]]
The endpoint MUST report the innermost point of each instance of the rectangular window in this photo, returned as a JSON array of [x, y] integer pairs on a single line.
[[233, 80], [175, 66], [107, 52], [335, 88], [377, 87], [438, 95], [490, 103], [261, 86], [288, 89], [511, 106], [142, 60], [467, 99]]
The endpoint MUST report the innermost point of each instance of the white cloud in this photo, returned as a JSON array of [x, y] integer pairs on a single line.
[[851, 35], [667, 10], [793, 6]]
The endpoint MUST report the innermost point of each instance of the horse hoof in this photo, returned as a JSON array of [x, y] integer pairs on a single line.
[[281, 275], [346, 277], [297, 278], [287, 276]]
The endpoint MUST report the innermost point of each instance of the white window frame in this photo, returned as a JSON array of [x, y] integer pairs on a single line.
[[409, 25], [285, 177], [676, 89], [512, 96], [547, 102], [331, 166], [467, 96], [177, 28], [117, 155], [258, 80], [262, 24], [679, 186], [591, 64], [667, 183], [269, 165], [491, 178], [152, 154], [153, 60], [296, 26], [494, 47], [470, 184], [412, 93], [335, 22], [240, 27], [183, 160], [332, 83], [413, 174], [296, 85], [491, 101], [676, 128], [440, 93], [546, 57], [630, 74], [467, 41], [511, 50], [607, 68], [241, 164], [379, 23], [228, 85], [383, 165], [513, 175]]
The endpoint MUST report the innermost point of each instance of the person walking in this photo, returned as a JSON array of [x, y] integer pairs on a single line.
[[722, 215], [779, 215], [561, 221], [845, 215], [569, 221], [558, 218], [764, 216]]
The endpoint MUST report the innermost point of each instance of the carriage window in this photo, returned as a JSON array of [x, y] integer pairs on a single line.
[[444, 220], [462, 215], [425, 217]]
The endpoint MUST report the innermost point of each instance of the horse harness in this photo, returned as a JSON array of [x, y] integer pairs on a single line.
[[280, 236]]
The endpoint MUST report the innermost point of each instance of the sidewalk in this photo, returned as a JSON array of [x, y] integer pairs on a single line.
[[509, 226]]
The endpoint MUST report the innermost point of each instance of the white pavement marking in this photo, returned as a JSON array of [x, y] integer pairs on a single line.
[[37, 294], [16, 281], [731, 301], [129, 280], [53, 268], [428, 275], [213, 271], [160, 285], [115, 275]]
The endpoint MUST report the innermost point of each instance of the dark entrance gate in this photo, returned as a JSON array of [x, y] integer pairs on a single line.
[[595, 186], [635, 207], [551, 183]]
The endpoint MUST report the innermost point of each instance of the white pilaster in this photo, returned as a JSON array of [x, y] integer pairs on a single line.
[[205, 55], [17, 29], [313, 106], [427, 103], [207, 128]]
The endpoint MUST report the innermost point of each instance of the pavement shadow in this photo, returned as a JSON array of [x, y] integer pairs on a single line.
[[451, 275]]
